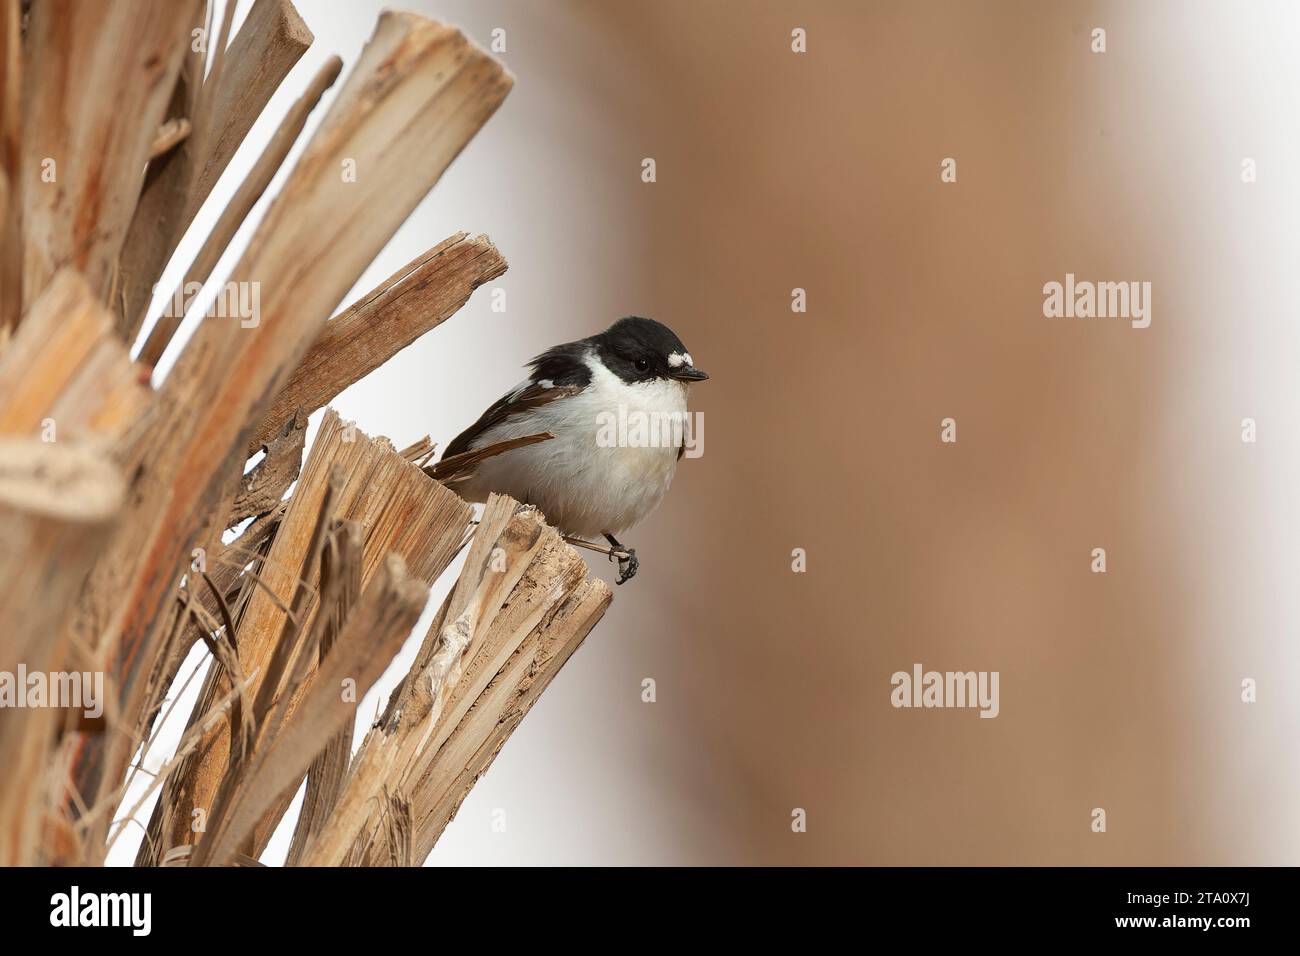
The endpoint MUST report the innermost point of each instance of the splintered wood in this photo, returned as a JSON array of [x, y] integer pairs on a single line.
[[423, 294], [403, 125], [400, 513], [82, 63], [114, 495], [520, 608]]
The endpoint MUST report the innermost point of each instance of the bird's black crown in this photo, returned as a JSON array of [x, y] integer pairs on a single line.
[[636, 335], [636, 349]]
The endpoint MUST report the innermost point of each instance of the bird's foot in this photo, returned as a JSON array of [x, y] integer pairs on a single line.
[[626, 557], [627, 563]]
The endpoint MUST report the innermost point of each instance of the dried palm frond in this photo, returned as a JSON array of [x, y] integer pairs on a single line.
[[115, 496]]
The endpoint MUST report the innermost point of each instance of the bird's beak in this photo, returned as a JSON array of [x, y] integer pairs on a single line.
[[689, 373]]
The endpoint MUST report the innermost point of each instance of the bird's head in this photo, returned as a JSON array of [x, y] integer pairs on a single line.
[[643, 350]]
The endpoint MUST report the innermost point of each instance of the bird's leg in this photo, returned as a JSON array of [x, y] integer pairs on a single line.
[[627, 562]]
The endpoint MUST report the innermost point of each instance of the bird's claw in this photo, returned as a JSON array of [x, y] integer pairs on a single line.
[[627, 564]]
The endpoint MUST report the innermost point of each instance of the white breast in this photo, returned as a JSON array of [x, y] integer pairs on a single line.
[[583, 488]]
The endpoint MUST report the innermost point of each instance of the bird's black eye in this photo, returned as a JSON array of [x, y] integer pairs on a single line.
[[642, 365]]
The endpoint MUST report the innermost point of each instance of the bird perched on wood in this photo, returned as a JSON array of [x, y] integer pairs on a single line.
[[555, 441]]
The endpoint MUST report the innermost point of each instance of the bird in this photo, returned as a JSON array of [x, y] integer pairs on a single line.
[[552, 440]]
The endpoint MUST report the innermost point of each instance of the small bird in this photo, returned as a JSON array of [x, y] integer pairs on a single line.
[[547, 441]]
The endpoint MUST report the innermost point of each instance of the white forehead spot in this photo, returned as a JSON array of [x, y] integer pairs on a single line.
[[689, 360], [676, 359]]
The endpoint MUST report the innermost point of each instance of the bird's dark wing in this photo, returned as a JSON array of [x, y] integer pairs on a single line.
[[532, 395], [456, 468], [563, 364], [557, 373]]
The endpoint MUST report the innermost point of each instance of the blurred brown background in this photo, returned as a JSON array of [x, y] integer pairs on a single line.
[[820, 171]]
